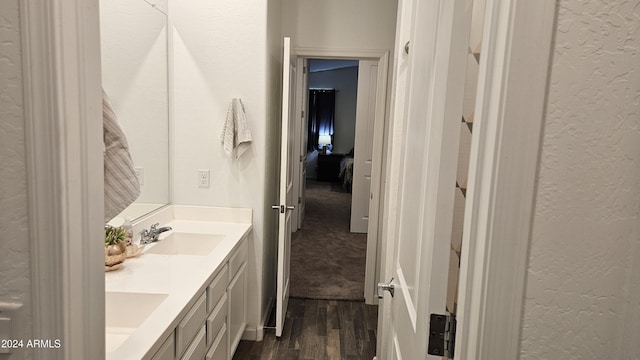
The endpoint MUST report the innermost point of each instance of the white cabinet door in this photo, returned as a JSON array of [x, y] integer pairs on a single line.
[[237, 293]]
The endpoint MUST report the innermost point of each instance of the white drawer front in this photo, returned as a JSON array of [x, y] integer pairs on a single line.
[[167, 350], [198, 348], [190, 324], [217, 288], [237, 259], [217, 319], [219, 350]]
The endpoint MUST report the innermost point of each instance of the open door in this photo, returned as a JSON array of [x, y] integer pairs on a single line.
[[286, 187], [426, 163], [300, 152], [364, 141]]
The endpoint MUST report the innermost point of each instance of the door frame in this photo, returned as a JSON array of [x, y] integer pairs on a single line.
[[512, 84], [372, 267], [63, 119], [61, 67]]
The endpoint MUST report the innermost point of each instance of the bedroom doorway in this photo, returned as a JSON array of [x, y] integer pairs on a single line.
[[336, 126]]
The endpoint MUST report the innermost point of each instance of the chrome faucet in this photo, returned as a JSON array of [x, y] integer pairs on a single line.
[[151, 235]]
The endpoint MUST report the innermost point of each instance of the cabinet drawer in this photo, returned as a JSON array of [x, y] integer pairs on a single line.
[[217, 319], [190, 324], [217, 288], [198, 348], [167, 350], [237, 259], [219, 349]]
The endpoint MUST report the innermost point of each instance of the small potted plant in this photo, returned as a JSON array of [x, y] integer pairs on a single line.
[[115, 249]]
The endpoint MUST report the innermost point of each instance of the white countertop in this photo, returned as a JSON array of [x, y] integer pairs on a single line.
[[183, 277]]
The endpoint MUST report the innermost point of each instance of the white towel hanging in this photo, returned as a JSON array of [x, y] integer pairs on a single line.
[[236, 135]]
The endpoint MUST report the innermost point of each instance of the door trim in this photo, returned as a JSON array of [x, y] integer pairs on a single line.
[[373, 264], [63, 118], [502, 176], [513, 78]]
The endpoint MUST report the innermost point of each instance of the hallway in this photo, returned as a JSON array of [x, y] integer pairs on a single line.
[[318, 330], [327, 261], [326, 317]]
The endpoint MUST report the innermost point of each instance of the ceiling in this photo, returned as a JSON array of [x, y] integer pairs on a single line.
[[316, 65]]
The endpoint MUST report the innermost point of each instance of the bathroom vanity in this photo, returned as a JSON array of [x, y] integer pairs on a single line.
[[185, 296]]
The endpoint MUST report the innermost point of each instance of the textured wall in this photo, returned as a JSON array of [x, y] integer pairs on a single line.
[[14, 241], [584, 251]]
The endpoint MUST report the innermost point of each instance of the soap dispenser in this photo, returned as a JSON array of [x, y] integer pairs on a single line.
[[128, 228], [133, 249]]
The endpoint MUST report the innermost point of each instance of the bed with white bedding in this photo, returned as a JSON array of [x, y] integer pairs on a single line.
[[346, 172]]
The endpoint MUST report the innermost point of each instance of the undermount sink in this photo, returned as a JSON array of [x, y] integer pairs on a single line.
[[186, 244], [125, 312]]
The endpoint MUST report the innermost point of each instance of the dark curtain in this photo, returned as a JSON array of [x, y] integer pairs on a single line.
[[322, 105]]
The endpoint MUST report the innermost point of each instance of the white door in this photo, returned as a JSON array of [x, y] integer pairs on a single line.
[[425, 157], [363, 149], [300, 124], [286, 187]]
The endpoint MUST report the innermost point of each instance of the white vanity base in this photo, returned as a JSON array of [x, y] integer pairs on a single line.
[[179, 306]]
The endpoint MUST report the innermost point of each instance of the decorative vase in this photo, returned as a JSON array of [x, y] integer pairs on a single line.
[[114, 255]]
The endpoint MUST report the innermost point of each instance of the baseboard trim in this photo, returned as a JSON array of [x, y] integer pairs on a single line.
[[253, 333], [257, 333]]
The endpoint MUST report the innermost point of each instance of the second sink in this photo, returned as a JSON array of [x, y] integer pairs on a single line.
[[125, 312], [186, 244]]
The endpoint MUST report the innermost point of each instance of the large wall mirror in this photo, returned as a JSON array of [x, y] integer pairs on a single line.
[[135, 77]]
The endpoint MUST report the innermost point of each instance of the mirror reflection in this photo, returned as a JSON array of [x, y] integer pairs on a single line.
[[135, 77]]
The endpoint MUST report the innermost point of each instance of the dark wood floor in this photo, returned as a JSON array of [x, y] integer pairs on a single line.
[[317, 330]]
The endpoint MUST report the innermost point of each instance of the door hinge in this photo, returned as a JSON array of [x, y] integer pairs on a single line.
[[382, 287], [442, 335], [304, 69], [302, 114], [299, 199]]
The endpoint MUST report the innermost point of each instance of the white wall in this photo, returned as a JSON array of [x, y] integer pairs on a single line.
[[15, 281], [345, 82], [340, 24], [133, 38], [582, 296], [221, 52]]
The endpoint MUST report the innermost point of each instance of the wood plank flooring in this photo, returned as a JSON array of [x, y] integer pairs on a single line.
[[319, 330]]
